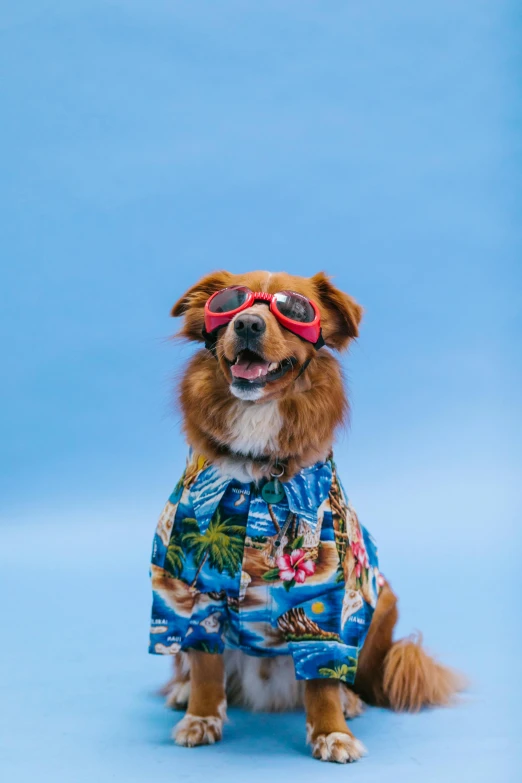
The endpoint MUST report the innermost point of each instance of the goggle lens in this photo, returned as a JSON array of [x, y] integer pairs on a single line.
[[295, 307], [229, 299], [293, 311]]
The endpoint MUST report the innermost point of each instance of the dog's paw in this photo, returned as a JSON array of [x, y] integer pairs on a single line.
[[177, 695], [338, 747], [351, 704], [193, 730]]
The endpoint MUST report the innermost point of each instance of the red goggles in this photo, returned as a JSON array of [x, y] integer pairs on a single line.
[[293, 311]]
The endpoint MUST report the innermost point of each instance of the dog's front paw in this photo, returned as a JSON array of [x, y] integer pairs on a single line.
[[338, 747], [193, 730], [351, 704]]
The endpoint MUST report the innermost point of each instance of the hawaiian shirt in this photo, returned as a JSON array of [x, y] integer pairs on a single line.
[[298, 577]]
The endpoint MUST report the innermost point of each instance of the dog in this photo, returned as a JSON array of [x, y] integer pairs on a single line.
[[267, 590]]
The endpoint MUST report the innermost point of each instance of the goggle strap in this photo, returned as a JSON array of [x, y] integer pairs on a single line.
[[303, 368], [210, 341], [320, 341]]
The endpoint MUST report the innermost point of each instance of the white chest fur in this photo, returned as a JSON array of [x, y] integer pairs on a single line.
[[254, 429]]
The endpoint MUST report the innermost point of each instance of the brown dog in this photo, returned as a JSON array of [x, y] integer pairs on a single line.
[[247, 411]]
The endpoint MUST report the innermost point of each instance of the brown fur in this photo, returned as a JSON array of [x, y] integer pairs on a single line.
[[413, 679], [310, 418], [207, 692], [203, 722], [399, 675]]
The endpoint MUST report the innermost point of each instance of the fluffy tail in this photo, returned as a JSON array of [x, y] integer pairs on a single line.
[[401, 675], [412, 679]]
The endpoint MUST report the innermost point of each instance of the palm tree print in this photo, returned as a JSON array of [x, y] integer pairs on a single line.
[[175, 556], [341, 671], [221, 544]]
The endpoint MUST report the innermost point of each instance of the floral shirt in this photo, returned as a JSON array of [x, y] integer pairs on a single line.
[[299, 576]]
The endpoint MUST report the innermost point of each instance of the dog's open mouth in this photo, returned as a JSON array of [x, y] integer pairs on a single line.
[[251, 368]]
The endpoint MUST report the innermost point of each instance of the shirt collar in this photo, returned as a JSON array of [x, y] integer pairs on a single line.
[[305, 492]]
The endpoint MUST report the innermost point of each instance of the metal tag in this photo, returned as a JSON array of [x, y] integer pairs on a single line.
[[273, 491]]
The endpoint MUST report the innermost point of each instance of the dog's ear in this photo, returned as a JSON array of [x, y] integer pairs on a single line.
[[200, 292], [192, 303], [343, 314]]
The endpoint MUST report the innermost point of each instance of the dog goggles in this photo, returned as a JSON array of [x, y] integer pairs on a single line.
[[293, 311]]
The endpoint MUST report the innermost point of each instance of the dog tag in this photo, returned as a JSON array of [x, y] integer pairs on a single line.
[[273, 491]]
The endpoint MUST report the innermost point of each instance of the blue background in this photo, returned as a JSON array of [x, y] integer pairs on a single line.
[[144, 144]]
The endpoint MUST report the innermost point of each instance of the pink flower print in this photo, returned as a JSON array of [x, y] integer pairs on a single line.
[[294, 566], [361, 557]]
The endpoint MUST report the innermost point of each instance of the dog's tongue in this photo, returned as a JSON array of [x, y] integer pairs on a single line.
[[249, 368]]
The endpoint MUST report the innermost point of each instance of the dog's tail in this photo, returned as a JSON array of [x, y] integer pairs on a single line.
[[412, 679], [401, 675]]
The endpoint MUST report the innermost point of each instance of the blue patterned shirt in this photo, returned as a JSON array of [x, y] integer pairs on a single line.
[[296, 577]]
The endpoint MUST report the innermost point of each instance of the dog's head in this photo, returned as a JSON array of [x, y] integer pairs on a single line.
[[258, 354]]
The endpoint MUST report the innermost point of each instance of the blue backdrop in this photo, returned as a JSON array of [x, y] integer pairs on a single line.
[[145, 144]]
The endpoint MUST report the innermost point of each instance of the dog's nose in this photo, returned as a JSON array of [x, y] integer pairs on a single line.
[[249, 325]]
